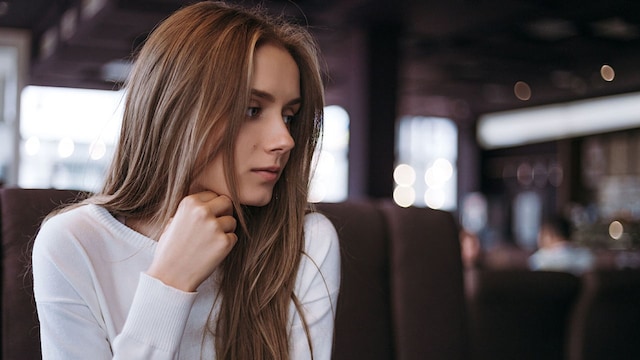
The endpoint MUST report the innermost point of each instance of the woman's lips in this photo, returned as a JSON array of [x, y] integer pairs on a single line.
[[268, 173]]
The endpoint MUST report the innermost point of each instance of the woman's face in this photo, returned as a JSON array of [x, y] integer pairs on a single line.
[[264, 143]]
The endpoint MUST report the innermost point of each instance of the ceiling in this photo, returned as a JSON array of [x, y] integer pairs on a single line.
[[465, 52]]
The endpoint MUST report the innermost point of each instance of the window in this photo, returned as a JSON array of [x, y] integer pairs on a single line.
[[329, 182], [425, 173], [68, 138], [14, 64]]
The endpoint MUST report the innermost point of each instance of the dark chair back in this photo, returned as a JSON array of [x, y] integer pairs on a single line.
[[22, 211], [521, 314], [606, 321], [427, 287], [363, 321]]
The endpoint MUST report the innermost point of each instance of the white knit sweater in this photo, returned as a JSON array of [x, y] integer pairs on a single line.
[[95, 301]]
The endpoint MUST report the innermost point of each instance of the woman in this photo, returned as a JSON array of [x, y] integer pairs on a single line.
[[199, 244]]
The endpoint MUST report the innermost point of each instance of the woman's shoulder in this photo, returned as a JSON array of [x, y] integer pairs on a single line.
[[319, 272], [67, 219], [80, 218], [321, 239], [58, 233], [317, 221], [79, 226], [319, 230]]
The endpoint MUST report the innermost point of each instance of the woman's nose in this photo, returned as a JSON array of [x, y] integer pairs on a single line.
[[279, 139]]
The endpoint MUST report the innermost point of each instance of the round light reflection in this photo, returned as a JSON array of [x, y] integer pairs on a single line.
[[607, 73], [439, 173], [66, 147], [404, 175], [522, 90], [434, 198], [97, 150], [404, 196], [616, 230]]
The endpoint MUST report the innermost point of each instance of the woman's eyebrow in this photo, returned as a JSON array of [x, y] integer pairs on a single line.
[[266, 96]]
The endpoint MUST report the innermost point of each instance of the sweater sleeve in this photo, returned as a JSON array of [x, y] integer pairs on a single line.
[[71, 305], [68, 328], [317, 288], [155, 323]]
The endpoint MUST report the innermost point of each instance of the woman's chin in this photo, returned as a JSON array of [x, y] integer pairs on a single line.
[[257, 201]]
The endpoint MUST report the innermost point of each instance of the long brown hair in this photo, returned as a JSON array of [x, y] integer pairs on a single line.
[[191, 84]]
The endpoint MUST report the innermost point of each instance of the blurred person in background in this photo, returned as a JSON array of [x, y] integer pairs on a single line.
[[557, 252]]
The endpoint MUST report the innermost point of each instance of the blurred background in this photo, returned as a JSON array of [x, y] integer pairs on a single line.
[[502, 112]]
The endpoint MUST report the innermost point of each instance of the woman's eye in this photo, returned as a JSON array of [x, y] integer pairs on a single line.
[[288, 118], [253, 111]]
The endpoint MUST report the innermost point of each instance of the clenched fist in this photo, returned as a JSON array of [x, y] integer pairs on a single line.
[[196, 240]]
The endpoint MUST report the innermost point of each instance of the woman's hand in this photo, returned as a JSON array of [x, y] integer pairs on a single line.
[[194, 243]]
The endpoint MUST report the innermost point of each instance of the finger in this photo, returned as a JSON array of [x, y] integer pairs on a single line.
[[233, 238], [227, 224], [221, 205], [216, 204], [226, 246], [205, 195]]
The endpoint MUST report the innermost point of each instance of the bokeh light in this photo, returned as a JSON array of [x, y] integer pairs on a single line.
[[616, 230], [97, 150], [404, 196], [439, 173], [607, 73], [522, 90], [66, 147], [404, 175], [434, 198]]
